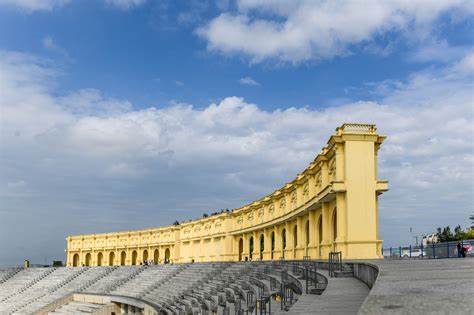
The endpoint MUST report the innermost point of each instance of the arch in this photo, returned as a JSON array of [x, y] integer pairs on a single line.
[[167, 256], [156, 256], [145, 256], [272, 236], [75, 260], [262, 245], [241, 248], [88, 259], [251, 247], [134, 257], [111, 258], [123, 257], [100, 257]]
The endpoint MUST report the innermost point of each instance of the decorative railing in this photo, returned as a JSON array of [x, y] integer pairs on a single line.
[[356, 128]]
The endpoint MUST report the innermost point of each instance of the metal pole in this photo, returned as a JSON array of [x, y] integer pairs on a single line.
[[410, 251], [434, 251]]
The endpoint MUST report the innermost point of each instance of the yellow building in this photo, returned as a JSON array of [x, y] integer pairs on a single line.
[[331, 206]]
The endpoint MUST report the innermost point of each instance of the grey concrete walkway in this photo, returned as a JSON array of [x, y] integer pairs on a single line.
[[437, 286], [342, 296]]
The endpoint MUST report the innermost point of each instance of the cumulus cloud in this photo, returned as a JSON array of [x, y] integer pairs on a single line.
[[295, 31], [94, 163], [248, 81]]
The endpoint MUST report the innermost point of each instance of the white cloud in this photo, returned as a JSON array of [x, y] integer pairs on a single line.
[[248, 81], [296, 31], [34, 5], [94, 163], [125, 4]]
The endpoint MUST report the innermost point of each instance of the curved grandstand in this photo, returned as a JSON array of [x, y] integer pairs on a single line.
[[199, 288], [331, 206]]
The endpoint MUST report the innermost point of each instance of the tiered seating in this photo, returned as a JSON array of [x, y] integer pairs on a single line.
[[175, 289], [118, 276], [75, 307], [79, 278], [146, 280], [7, 273], [21, 281], [37, 290]]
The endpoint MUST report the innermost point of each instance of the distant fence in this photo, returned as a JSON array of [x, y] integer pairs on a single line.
[[430, 251]]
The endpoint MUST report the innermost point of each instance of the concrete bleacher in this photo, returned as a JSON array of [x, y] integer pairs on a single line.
[[180, 289], [198, 288]]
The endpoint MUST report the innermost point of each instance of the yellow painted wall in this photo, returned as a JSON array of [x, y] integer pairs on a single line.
[[339, 188]]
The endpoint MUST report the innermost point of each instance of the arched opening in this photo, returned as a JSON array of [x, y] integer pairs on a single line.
[[111, 259], [123, 258], [167, 256], [262, 246], [251, 247], [145, 256], [156, 257], [241, 248], [273, 244], [100, 257], [283, 243], [134, 257], [88, 259], [75, 260]]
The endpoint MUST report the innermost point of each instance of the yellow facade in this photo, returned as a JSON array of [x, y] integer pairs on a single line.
[[331, 206]]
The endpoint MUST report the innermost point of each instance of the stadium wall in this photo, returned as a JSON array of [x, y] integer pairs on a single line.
[[331, 206]]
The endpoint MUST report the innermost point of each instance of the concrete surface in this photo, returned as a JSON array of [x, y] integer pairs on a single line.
[[435, 286]]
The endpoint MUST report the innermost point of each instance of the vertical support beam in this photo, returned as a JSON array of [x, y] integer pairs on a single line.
[[326, 223]]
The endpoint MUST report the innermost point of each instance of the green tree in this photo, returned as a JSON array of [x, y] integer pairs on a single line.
[[445, 234], [472, 221]]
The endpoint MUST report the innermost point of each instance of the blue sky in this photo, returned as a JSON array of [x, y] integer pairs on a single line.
[[115, 112]]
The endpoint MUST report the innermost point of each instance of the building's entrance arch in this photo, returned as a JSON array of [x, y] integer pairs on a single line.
[[88, 259], [251, 247], [262, 245], [145, 256], [134, 257], [272, 244], [156, 257], [100, 257], [75, 260], [111, 259], [241, 248], [123, 258], [167, 256]]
